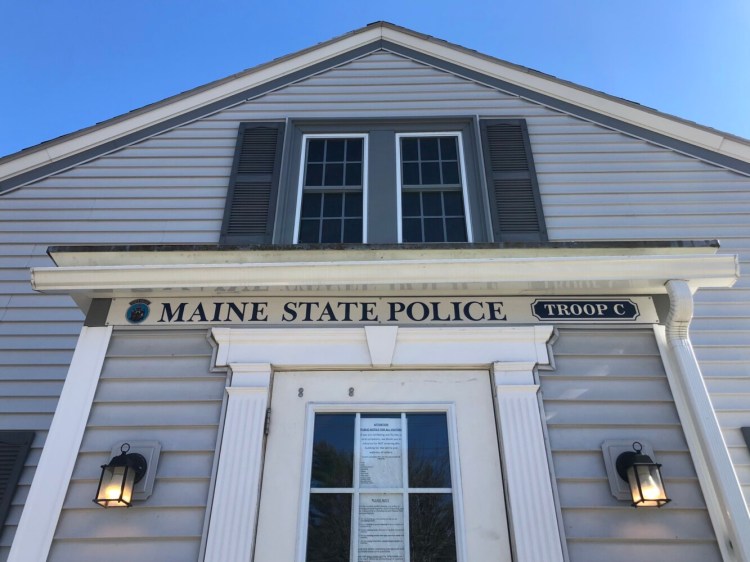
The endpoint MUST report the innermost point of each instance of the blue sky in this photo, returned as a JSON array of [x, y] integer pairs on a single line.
[[65, 65]]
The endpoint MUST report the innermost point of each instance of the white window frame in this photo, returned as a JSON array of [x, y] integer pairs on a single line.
[[461, 162], [368, 407], [302, 168]]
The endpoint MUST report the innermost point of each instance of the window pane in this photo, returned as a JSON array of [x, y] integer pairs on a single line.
[[412, 230], [455, 230], [409, 150], [432, 203], [314, 176], [410, 206], [309, 231], [334, 175], [450, 172], [380, 452], [454, 203], [333, 204], [448, 148], [354, 150], [428, 148], [329, 528], [352, 231], [353, 174], [310, 205], [429, 459], [432, 534], [433, 230], [430, 173], [353, 204], [315, 150], [335, 150], [333, 451], [410, 173], [381, 527], [331, 231]]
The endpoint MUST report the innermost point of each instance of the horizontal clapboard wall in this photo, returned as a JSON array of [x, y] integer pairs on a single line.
[[610, 384], [595, 183], [151, 388]]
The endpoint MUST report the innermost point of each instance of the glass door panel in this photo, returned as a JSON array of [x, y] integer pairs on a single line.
[[400, 493]]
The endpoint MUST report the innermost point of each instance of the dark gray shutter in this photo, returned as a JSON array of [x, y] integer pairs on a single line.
[[253, 186], [511, 179], [14, 447]]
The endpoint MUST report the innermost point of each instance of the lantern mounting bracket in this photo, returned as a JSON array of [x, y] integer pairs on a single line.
[[149, 451], [626, 459], [611, 451]]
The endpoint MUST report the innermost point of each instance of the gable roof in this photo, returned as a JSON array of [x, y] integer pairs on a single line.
[[63, 152]]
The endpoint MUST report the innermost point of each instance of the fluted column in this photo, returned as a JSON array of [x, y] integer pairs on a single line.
[[536, 535], [231, 530]]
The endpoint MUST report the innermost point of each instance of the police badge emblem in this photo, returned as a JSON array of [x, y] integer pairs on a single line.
[[138, 311]]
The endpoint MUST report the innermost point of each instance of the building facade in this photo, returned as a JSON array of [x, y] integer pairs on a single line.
[[382, 299]]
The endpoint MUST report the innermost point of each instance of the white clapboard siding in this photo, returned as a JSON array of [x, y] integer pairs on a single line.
[[148, 391], [148, 193], [586, 402]]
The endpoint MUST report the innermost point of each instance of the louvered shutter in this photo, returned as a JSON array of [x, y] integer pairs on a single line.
[[253, 186], [511, 179], [14, 447]]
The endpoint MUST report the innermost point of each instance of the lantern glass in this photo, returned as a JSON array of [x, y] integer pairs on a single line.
[[646, 485], [116, 486], [643, 476], [119, 477]]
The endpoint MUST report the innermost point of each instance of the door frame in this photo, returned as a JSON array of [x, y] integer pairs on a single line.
[[513, 354]]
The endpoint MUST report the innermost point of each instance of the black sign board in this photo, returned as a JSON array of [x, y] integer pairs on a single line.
[[334, 310], [584, 310]]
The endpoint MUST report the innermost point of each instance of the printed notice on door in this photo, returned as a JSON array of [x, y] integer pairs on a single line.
[[381, 527], [380, 453]]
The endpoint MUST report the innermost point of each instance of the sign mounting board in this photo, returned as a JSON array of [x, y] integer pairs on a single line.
[[320, 311]]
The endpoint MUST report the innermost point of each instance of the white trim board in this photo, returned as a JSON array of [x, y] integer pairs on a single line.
[[41, 512]]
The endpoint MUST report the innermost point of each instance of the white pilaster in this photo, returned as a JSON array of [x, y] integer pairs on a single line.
[[231, 530], [536, 535], [42, 509]]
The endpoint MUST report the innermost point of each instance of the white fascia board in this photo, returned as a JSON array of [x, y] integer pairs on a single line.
[[245, 81], [602, 104], [621, 274], [71, 256], [735, 149]]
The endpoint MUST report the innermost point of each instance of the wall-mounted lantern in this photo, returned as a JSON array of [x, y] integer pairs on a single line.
[[633, 474], [118, 478], [643, 476]]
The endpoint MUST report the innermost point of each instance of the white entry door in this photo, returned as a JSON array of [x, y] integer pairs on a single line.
[[382, 466]]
